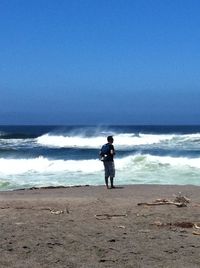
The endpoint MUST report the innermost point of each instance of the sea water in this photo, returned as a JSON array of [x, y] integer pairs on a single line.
[[37, 156]]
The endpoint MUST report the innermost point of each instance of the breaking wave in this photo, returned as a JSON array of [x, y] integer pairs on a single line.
[[133, 162], [122, 141]]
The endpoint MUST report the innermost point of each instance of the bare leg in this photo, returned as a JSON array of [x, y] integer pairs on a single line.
[[106, 182], [111, 182]]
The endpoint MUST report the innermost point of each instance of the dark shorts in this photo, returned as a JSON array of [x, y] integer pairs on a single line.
[[109, 168]]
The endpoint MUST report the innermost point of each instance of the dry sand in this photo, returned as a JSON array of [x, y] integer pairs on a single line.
[[58, 228]]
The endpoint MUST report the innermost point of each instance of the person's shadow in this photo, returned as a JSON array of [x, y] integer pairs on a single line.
[[117, 187]]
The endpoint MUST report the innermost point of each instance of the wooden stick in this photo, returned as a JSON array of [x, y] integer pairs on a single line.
[[108, 216], [163, 203], [196, 233]]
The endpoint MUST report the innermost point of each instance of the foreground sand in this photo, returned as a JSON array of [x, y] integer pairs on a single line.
[[58, 228]]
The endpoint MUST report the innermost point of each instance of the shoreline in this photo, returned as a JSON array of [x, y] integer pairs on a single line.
[[91, 226], [120, 186]]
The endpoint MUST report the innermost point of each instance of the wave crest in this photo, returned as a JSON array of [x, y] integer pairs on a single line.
[[122, 141], [129, 163]]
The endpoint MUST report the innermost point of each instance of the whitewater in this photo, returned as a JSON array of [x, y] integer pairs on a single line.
[[40, 156]]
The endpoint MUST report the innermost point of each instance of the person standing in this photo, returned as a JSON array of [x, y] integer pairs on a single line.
[[107, 156]]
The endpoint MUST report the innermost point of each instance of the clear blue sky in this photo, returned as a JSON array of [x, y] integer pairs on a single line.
[[99, 62]]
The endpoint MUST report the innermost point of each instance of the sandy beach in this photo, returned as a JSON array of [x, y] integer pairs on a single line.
[[95, 227]]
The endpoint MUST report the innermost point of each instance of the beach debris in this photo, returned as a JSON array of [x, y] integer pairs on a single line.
[[51, 187], [184, 224], [179, 201], [107, 216], [141, 215], [196, 233], [121, 226], [52, 211], [162, 202], [57, 212], [181, 225], [112, 240], [5, 207], [196, 226], [145, 231], [158, 223], [104, 260]]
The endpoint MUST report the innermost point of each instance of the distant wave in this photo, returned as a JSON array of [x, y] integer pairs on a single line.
[[12, 144], [123, 141], [16, 136]]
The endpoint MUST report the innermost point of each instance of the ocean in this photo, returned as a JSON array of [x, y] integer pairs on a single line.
[[40, 156]]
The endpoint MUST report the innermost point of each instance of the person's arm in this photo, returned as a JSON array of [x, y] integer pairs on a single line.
[[112, 150]]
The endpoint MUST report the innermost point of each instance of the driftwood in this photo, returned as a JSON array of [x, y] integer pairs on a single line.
[[51, 187], [57, 212], [52, 211], [162, 203], [181, 225], [196, 226], [179, 201], [196, 233], [121, 226], [176, 224], [108, 216]]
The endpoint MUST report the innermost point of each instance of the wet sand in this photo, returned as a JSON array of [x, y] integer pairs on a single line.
[[95, 227]]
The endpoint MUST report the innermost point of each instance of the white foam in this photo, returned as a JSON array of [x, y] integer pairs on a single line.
[[44, 165], [140, 162], [70, 142], [174, 161], [122, 141], [129, 140]]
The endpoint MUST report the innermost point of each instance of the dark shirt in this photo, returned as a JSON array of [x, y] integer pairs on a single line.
[[110, 156]]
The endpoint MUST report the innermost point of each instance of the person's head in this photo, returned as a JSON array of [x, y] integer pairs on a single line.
[[110, 139]]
